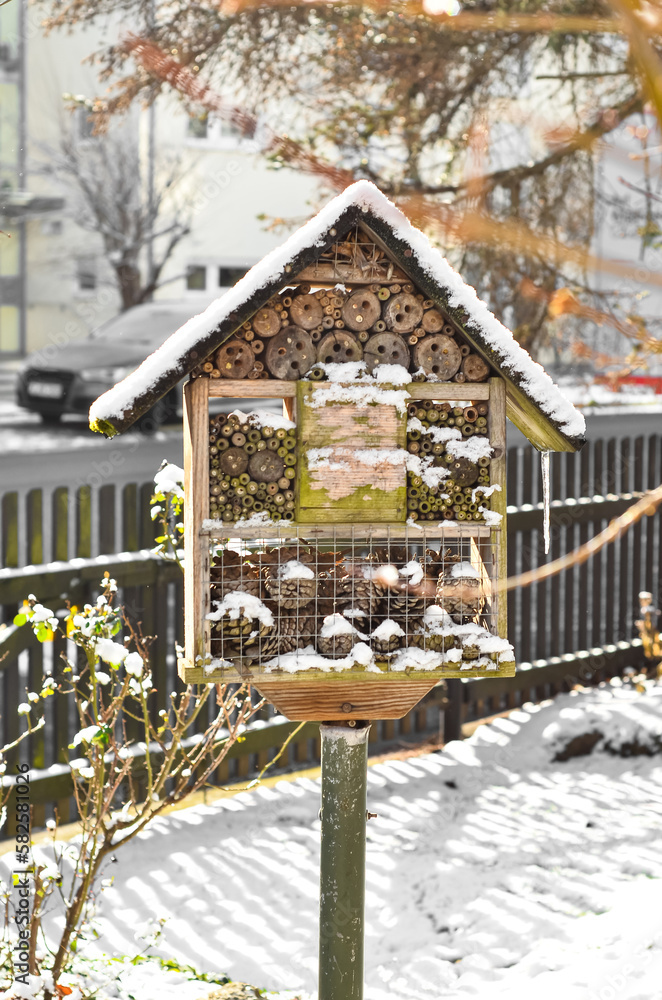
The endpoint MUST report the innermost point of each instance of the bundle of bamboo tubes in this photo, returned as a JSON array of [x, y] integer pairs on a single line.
[[252, 468], [458, 496]]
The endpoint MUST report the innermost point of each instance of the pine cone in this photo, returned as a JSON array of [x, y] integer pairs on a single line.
[[399, 606], [387, 637], [461, 595], [238, 628], [229, 571], [293, 592], [337, 637], [294, 632], [437, 562], [232, 628], [268, 646], [429, 640], [336, 646], [359, 593], [427, 635], [249, 585], [288, 576], [411, 591]]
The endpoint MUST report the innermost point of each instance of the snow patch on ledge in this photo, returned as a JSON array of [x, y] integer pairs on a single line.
[[258, 519], [264, 418], [360, 394]]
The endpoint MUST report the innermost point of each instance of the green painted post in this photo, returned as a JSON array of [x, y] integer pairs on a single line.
[[342, 867]]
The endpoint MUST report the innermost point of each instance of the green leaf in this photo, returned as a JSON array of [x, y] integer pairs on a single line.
[[20, 619]]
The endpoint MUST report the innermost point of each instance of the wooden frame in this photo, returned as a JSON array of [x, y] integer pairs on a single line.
[[498, 477], [196, 510], [220, 388], [317, 694], [396, 532]]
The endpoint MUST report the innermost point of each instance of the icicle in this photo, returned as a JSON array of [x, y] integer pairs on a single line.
[[544, 468]]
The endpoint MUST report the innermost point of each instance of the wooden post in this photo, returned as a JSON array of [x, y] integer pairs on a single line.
[[196, 509], [342, 864], [453, 713]]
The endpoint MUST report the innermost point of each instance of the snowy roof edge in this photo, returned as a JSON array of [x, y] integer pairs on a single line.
[[118, 408]]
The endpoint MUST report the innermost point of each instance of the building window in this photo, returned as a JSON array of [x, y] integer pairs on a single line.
[[196, 277], [228, 276], [197, 127], [214, 132], [86, 277], [228, 130]]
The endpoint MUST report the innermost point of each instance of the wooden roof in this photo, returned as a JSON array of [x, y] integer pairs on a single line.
[[534, 403]]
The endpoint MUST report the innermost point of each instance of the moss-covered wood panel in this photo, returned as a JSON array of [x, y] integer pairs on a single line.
[[345, 482]]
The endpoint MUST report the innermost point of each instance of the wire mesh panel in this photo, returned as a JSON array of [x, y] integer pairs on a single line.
[[365, 601]]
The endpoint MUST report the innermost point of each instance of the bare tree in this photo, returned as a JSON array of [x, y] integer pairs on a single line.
[[111, 195]]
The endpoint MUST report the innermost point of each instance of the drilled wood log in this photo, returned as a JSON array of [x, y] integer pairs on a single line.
[[234, 359], [475, 369], [266, 467], [432, 321], [361, 310], [290, 354], [464, 472], [437, 355], [339, 346], [386, 349], [306, 312], [233, 462], [403, 313], [266, 322]]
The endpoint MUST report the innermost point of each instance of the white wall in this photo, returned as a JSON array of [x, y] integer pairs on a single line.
[[227, 184]]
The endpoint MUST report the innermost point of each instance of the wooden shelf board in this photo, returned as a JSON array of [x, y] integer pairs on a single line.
[[278, 389], [253, 674], [449, 390], [251, 388], [395, 531]]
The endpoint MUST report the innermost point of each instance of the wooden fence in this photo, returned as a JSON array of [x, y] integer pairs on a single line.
[[578, 626]]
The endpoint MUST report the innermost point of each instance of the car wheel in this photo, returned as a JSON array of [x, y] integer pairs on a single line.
[[50, 418]]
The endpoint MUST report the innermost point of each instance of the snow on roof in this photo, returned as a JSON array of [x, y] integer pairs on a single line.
[[172, 360]]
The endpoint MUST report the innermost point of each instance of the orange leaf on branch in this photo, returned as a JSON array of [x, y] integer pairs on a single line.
[[563, 301]]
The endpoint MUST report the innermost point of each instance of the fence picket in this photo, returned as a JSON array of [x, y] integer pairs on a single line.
[[107, 518], [130, 518], [35, 526], [60, 523], [9, 529], [84, 522]]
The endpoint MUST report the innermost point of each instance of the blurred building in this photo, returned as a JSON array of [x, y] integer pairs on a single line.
[[56, 282]]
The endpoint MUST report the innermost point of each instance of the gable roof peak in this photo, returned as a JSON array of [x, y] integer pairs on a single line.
[[529, 386]]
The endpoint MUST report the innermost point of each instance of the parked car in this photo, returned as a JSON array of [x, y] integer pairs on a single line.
[[68, 379]]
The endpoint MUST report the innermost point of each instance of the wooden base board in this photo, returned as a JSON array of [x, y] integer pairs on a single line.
[[316, 696], [314, 702]]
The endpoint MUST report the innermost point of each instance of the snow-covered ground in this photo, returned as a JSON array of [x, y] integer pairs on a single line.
[[493, 870]]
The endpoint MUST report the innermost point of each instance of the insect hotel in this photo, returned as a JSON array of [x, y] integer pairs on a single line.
[[346, 554]]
